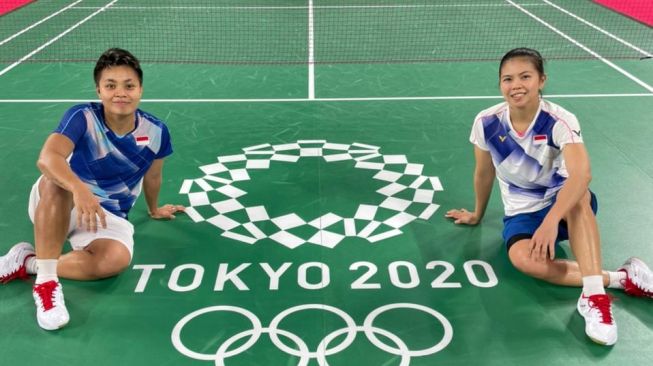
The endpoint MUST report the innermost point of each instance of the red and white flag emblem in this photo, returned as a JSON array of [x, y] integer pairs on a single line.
[[142, 140], [539, 139]]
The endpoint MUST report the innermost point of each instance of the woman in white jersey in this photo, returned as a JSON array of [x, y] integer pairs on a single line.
[[535, 150]]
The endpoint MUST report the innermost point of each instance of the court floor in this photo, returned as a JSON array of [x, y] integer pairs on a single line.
[[317, 233]]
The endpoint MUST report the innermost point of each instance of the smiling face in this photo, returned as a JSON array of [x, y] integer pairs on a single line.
[[120, 90], [520, 83]]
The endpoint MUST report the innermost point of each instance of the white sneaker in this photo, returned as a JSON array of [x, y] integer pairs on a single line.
[[639, 278], [51, 312], [12, 264], [600, 326]]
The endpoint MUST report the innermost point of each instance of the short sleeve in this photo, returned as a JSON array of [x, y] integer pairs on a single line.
[[73, 124], [477, 136], [166, 145], [567, 131]]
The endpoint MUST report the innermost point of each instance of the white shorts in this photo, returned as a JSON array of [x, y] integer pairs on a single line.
[[117, 228]]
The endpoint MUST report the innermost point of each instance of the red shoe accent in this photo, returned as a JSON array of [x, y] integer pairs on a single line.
[[20, 273], [631, 289], [602, 302], [45, 291]]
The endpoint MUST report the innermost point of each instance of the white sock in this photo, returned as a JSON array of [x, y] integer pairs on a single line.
[[30, 265], [593, 285], [616, 279], [46, 270]]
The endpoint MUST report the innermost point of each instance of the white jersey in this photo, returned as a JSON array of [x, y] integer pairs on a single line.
[[530, 167]]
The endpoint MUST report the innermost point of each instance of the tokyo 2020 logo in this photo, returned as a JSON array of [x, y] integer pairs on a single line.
[[408, 195]]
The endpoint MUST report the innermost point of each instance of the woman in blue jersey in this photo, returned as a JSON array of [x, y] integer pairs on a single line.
[[535, 150], [93, 167]]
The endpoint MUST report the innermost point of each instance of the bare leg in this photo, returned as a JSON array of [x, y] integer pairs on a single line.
[[51, 219], [585, 244], [558, 271], [593, 305], [101, 259], [584, 237]]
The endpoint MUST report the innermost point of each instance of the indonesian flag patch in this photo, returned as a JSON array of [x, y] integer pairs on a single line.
[[142, 140], [539, 139]]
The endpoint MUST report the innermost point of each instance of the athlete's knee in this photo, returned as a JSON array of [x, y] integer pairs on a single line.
[[520, 258], [111, 262], [53, 194]]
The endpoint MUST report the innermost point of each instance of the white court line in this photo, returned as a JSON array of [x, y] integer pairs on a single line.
[[39, 49], [303, 100], [126, 7], [626, 43], [39, 22], [311, 52], [583, 47]]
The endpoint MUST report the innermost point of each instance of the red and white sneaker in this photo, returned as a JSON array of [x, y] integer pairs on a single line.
[[12, 264], [639, 278], [51, 312], [600, 325]]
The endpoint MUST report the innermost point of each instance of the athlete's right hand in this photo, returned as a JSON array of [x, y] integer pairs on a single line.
[[463, 216], [88, 209]]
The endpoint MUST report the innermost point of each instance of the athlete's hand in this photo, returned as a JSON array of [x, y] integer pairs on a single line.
[[166, 212], [88, 209], [463, 216], [543, 241]]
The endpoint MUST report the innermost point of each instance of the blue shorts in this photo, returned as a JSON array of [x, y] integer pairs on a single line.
[[523, 226]]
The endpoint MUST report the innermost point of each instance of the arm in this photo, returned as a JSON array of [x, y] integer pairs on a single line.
[[52, 163], [152, 186], [484, 174], [572, 191]]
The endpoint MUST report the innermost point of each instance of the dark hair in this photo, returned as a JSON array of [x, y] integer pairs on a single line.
[[116, 57], [532, 55]]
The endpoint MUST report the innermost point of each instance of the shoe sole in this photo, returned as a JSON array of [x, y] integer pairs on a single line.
[[43, 326], [602, 343]]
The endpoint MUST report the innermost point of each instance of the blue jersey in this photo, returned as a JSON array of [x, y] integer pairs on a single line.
[[113, 166], [529, 167]]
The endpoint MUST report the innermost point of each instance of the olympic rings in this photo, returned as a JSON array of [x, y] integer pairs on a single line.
[[351, 326], [257, 329], [448, 331], [305, 355]]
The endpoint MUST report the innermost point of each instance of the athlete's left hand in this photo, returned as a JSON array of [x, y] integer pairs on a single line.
[[167, 212], [544, 240], [463, 216]]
